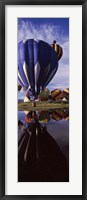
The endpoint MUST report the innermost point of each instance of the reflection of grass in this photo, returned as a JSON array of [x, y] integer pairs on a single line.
[[42, 105]]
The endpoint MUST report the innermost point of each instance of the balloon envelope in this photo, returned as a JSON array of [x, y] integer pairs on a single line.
[[37, 65]]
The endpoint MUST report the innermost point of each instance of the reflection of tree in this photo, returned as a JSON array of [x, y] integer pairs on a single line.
[[44, 116], [39, 156]]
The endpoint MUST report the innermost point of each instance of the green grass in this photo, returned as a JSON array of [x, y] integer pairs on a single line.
[[42, 105]]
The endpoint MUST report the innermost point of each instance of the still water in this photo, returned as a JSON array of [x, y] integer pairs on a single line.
[[47, 148]]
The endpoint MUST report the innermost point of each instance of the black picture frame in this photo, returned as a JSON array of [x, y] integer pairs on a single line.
[[2, 96]]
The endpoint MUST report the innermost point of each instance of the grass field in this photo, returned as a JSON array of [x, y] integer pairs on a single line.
[[42, 105]]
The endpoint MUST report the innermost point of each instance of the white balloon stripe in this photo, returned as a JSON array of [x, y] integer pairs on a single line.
[[36, 74], [28, 88], [20, 78], [19, 83], [51, 76], [25, 71]]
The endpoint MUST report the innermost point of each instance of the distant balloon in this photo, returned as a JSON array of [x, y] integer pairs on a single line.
[[19, 87], [37, 64], [58, 49]]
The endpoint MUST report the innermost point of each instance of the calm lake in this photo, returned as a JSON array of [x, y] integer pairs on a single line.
[[49, 141]]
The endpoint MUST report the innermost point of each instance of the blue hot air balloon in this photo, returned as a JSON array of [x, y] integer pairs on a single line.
[[37, 64]]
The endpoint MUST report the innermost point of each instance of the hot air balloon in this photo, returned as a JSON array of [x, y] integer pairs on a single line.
[[66, 93], [56, 94], [37, 64]]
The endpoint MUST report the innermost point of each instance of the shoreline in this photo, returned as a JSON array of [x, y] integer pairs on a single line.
[[42, 106]]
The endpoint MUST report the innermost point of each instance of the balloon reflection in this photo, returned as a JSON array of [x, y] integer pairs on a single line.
[[39, 156], [45, 116]]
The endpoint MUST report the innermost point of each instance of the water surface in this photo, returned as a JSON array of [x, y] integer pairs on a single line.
[[56, 124]]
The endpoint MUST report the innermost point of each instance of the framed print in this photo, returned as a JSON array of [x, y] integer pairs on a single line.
[[43, 99]]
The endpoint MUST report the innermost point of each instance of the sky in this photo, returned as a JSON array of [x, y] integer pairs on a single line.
[[49, 29]]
